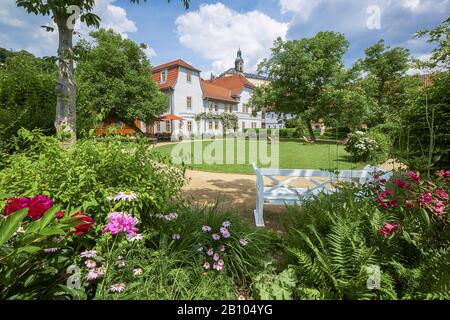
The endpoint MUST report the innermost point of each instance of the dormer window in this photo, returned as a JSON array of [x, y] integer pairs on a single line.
[[189, 76], [164, 74]]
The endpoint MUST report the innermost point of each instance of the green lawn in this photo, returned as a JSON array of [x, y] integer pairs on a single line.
[[292, 155]]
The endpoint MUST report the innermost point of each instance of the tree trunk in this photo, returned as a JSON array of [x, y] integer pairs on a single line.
[[65, 122], [310, 130], [133, 126]]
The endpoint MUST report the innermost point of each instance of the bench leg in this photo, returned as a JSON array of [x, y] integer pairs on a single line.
[[259, 213]]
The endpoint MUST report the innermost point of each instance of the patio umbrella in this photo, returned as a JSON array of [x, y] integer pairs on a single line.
[[169, 117]]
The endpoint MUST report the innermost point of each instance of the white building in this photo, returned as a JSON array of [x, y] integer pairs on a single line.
[[189, 96]]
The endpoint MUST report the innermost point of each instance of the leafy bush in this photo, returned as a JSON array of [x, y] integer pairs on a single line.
[[361, 147], [89, 173], [399, 226], [36, 248], [171, 264], [384, 143]]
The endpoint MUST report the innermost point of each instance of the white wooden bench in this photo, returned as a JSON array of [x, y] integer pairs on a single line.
[[282, 193]]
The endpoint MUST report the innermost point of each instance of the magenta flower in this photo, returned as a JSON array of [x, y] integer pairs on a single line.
[[413, 177], [387, 229], [401, 183], [441, 193], [121, 222], [15, 204], [425, 198]]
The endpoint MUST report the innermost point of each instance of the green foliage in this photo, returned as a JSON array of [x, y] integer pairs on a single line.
[[228, 120], [333, 240], [91, 172], [27, 270], [114, 81], [425, 127], [300, 72], [362, 147], [27, 96], [272, 286]]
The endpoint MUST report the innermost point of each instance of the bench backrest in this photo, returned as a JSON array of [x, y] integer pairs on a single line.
[[363, 176]]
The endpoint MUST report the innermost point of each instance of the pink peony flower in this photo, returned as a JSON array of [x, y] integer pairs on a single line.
[[387, 229], [425, 198], [59, 215], [413, 177], [15, 204], [441, 193], [121, 222], [38, 206]]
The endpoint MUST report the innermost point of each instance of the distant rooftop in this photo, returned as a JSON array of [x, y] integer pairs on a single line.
[[247, 75]]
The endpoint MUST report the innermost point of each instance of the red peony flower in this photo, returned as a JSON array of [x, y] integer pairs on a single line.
[[388, 229], [425, 198], [401, 183], [84, 227], [38, 206], [15, 204], [441, 193], [59, 215], [413, 176]]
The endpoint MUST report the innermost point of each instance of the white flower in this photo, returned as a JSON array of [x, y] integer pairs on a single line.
[[88, 254], [137, 272], [118, 287], [125, 196], [134, 237]]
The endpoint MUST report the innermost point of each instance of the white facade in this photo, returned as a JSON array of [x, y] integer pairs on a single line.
[[274, 120]]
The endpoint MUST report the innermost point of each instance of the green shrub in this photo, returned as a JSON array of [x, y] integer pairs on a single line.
[[334, 241], [363, 148], [384, 143], [89, 173]]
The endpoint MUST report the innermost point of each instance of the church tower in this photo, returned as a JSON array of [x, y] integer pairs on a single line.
[[239, 62]]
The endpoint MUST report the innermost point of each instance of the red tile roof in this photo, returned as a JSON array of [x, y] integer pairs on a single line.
[[236, 83], [172, 76], [175, 63], [213, 92]]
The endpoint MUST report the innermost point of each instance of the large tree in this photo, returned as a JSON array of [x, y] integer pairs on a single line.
[[114, 77], [383, 66], [62, 13], [300, 72]]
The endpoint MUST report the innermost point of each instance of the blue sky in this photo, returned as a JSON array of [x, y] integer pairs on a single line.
[[210, 32]]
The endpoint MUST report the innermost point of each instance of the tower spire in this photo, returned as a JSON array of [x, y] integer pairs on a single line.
[[239, 62]]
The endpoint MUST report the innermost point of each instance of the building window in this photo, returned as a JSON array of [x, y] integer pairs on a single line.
[[158, 126], [243, 125], [164, 75], [227, 108], [181, 125], [211, 106], [189, 126], [253, 125], [216, 125], [210, 125], [216, 107], [189, 102], [168, 126], [189, 77], [245, 108]]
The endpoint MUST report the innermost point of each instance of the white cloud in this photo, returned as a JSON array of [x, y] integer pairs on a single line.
[[150, 52], [302, 8], [21, 31], [216, 32]]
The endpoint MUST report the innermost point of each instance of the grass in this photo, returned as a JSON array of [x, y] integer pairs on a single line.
[[293, 154]]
